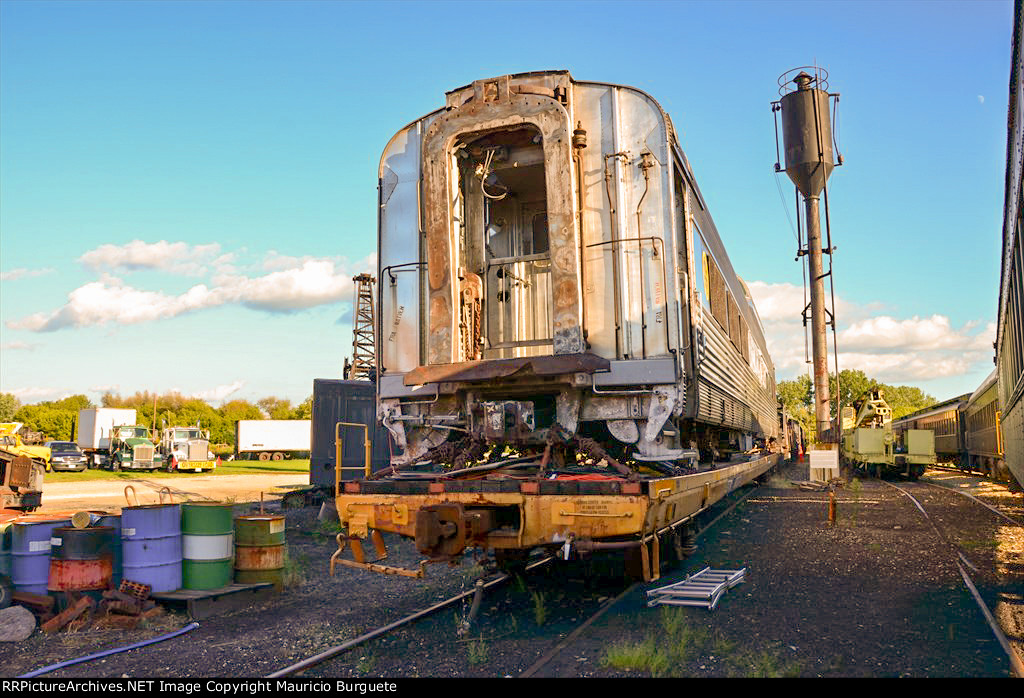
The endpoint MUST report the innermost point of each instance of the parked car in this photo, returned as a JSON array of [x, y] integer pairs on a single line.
[[66, 455]]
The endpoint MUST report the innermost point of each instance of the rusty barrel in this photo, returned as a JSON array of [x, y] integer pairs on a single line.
[[30, 552], [151, 545], [81, 559], [102, 518], [260, 550], [207, 543]]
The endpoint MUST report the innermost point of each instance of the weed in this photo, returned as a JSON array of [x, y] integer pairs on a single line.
[[682, 638], [540, 611], [856, 487], [477, 651], [766, 665], [721, 645], [294, 572], [365, 664], [638, 656], [520, 584]]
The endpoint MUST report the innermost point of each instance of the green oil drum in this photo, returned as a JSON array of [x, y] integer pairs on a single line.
[[207, 545], [260, 550]]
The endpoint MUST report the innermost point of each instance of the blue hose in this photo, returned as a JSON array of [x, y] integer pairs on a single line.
[[105, 653]]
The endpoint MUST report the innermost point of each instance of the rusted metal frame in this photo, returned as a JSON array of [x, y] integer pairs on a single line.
[[359, 562], [551, 119]]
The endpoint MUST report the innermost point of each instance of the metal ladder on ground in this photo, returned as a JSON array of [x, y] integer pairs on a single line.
[[702, 588]]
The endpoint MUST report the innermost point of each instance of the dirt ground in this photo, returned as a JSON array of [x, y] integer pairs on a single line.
[[876, 595]]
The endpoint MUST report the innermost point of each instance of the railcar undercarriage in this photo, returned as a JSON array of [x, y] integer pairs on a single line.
[[508, 504]]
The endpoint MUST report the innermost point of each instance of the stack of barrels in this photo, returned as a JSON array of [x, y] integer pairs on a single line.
[[195, 545]]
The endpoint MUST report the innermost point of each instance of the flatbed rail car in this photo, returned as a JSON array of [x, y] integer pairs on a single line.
[[553, 288], [575, 516]]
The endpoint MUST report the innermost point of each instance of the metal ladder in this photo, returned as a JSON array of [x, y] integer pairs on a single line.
[[702, 588]]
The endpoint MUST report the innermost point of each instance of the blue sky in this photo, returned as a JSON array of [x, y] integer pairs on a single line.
[[187, 188]]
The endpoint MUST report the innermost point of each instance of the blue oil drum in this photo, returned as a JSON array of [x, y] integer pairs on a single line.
[[30, 552], [114, 521], [151, 545]]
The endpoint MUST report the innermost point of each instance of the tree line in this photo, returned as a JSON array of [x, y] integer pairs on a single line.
[[797, 396], [56, 418]]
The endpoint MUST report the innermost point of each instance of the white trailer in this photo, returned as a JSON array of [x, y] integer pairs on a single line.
[[272, 439], [94, 429]]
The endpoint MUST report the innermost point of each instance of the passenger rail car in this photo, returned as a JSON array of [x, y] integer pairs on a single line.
[[565, 354], [1010, 323], [946, 421], [984, 443]]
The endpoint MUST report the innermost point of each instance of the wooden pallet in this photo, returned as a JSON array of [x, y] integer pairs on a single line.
[[205, 603]]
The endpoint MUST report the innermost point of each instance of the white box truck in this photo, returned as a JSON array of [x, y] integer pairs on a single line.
[[272, 439], [110, 437]]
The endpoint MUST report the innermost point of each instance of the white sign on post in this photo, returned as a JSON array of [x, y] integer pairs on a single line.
[[824, 465]]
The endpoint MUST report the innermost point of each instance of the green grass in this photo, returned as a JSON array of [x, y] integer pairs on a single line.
[[683, 638], [241, 467]]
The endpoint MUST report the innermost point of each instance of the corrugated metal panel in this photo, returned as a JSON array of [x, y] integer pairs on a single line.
[[344, 401], [728, 392]]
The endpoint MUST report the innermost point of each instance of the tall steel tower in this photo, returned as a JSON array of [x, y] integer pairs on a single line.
[[363, 364], [807, 139]]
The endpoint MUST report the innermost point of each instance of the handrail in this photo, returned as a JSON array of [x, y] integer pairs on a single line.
[[337, 452], [656, 242], [379, 320]]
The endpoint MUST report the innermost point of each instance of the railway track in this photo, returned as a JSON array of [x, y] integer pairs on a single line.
[[719, 511], [947, 532]]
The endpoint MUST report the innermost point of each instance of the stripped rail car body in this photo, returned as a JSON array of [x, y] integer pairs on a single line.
[[565, 354], [1010, 322]]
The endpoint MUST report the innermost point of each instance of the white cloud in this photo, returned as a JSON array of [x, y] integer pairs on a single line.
[[981, 99], [22, 273], [916, 333], [216, 394], [37, 393], [175, 257], [114, 388], [17, 346], [885, 347], [109, 301], [294, 284]]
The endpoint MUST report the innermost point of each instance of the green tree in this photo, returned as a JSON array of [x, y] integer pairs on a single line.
[[276, 408], [304, 410], [796, 393], [231, 412], [9, 404], [904, 399]]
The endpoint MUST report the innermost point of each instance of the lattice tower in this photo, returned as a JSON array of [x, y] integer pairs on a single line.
[[363, 364]]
